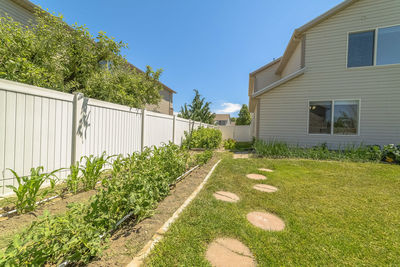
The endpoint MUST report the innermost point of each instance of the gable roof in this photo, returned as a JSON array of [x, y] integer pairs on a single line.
[[298, 33]]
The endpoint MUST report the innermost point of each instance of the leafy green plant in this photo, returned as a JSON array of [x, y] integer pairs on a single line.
[[391, 153], [136, 184], [27, 193], [92, 169], [229, 144], [275, 149], [204, 157], [51, 54], [73, 178], [207, 138]]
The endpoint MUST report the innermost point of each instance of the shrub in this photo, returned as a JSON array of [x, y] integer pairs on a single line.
[[207, 138], [27, 192], [321, 152], [229, 144], [204, 157], [391, 153], [136, 184]]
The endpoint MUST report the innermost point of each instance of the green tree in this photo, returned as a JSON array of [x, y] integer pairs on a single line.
[[244, 117], [199, 110], [49, 53]]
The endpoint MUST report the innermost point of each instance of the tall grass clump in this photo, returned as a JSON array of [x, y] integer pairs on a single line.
[[276, 149]]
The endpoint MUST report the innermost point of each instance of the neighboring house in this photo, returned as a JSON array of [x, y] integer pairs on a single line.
[[222, 119], [166, 103], [338, 81], [23, 12]]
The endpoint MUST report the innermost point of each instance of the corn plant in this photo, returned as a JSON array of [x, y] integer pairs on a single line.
[[92, 170], [27, 192], [73, 178]]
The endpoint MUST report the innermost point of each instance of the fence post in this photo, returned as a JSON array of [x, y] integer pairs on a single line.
[[77, 127], [142, 139], [173, 129]]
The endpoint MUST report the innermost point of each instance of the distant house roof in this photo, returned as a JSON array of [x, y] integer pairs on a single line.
[[222, 117]]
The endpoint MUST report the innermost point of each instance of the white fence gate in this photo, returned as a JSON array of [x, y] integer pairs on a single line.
[[240, 133], [41, 127]]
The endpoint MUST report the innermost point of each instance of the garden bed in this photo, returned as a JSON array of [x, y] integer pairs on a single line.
[[131, 237], [13, 224]]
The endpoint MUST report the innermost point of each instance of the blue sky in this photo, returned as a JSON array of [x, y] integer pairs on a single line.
[[209, 45]]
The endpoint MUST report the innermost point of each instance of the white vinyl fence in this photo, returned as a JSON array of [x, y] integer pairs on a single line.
[[240, 133], [41, 127]]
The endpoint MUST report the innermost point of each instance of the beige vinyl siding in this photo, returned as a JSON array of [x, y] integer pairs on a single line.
[[165, 104], [15, 11], [294, 63], [284, 110], [266, 77]]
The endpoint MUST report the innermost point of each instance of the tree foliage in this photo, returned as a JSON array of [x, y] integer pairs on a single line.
[[199, 110], [49, 53], [244, 117]]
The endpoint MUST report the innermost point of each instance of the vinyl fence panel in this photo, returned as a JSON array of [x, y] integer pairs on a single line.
[[35, 130], [41, 127]]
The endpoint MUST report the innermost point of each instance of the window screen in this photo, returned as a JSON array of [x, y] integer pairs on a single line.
[[388, 46], [320, 117], [361, 49]]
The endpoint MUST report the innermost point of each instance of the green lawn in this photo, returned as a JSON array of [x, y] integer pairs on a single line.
[[336, 213]]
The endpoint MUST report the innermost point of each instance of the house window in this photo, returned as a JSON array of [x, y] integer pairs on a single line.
[[388, 46], [343, 113], [362, 50], [345, 119], [320, 116]]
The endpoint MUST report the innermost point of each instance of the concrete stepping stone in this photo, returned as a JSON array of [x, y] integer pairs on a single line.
[[255, 176], [265, 188], [265, 170], [226, 196], [228, 252], [241, 156], [266, 221]]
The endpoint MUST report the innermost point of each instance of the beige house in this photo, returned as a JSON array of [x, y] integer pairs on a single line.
[[23, 12], [222, 119], [338, 81]]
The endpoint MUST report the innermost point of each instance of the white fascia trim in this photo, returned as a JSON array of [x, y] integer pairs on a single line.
[[280, 82]]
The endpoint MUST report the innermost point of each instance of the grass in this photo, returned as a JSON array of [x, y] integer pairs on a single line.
[[336, 213]]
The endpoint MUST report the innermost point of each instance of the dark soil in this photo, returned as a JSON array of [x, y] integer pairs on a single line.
[[130, 239]]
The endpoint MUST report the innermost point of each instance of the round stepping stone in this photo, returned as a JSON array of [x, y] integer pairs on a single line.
[[228, 252], [255, 176], [226, 196], [265, 170], [265, 188], [266, 221]]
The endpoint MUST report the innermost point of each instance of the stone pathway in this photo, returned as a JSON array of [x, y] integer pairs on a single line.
[[226, 196], [265, 170], [266, 221], [255, 176], [241, 155], [228, 252], [265, 188]]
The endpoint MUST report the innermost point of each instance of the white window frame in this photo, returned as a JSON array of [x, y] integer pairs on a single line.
[[375, 47], [333, 117]]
